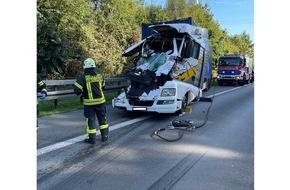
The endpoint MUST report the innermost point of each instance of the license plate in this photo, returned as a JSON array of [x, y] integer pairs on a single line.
[[139, 109]]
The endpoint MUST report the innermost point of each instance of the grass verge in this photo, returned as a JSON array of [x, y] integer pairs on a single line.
[[47, 108]]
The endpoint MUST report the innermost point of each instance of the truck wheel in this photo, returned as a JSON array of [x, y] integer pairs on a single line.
[[244, 81], [208, 84], [248, 81], [183, 105], [252, 80]]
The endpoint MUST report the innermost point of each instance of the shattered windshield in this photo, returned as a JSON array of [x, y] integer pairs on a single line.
[[235, 61], [153, 62]]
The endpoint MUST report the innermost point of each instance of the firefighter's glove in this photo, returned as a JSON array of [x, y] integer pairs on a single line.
[[42, 96]]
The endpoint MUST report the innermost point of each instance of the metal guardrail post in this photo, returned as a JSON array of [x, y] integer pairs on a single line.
[[55, 100], [119, 83]]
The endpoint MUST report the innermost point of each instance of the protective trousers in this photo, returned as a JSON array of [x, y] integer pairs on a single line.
[[90, 113]]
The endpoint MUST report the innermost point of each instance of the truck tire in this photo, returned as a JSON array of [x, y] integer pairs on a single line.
[[244, 81], [208, 84], [252, 79], [248, 81], [183, 105]]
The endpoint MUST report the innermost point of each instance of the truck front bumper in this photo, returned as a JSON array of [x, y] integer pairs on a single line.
[[159, 106], [229, 78]]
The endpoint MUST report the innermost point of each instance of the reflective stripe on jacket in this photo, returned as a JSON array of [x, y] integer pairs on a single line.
[[90, 86]]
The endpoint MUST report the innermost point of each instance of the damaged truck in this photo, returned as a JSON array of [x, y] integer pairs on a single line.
[[173, 65]]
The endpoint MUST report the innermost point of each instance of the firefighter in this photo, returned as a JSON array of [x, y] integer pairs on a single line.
[[89, 86], [41, 88]]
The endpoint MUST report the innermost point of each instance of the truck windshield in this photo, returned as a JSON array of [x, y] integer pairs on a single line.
[[230, 61], [153, 62]]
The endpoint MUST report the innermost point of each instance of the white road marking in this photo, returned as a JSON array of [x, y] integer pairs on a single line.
[[223, 92], [59, 145], [68, 142]]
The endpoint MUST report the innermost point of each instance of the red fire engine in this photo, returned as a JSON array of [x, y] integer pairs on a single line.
[[235, 68]]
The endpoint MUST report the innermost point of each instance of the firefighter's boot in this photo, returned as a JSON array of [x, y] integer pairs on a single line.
[[91, 139], [104, 133]]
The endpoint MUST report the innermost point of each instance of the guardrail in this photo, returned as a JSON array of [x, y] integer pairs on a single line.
[[57, 89]]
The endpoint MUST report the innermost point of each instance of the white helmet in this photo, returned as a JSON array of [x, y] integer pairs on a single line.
[[89, 63]]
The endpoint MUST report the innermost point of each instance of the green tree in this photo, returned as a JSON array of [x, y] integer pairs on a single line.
[[117, 30], [61, 32], [204, 18], [156, 14], [177, 8], [69, 31], [244, 43]]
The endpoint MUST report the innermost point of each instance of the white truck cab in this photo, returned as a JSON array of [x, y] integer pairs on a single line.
[[170, 69]]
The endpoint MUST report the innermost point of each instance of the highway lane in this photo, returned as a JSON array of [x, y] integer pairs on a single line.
[[227, 142], [216, 156], [60, 127]]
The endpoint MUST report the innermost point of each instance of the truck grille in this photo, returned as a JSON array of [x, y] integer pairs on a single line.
[[140, 103]]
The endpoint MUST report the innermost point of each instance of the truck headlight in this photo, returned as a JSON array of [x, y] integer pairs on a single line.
[[164, 102], [168, 92], [119, 101]]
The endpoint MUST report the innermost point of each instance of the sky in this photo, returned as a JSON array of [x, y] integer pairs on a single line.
[[235, 16]]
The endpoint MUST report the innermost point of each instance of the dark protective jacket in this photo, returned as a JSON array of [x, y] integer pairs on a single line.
[[90, 87], [41, 86]]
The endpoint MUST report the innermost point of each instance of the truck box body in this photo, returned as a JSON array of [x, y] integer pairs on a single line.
[[171, 67], [147, 31]]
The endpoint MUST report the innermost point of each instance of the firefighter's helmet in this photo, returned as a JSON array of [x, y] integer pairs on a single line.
[[89, 63]]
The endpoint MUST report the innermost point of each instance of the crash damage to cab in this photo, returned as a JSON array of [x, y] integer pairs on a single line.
[[169, 70]]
